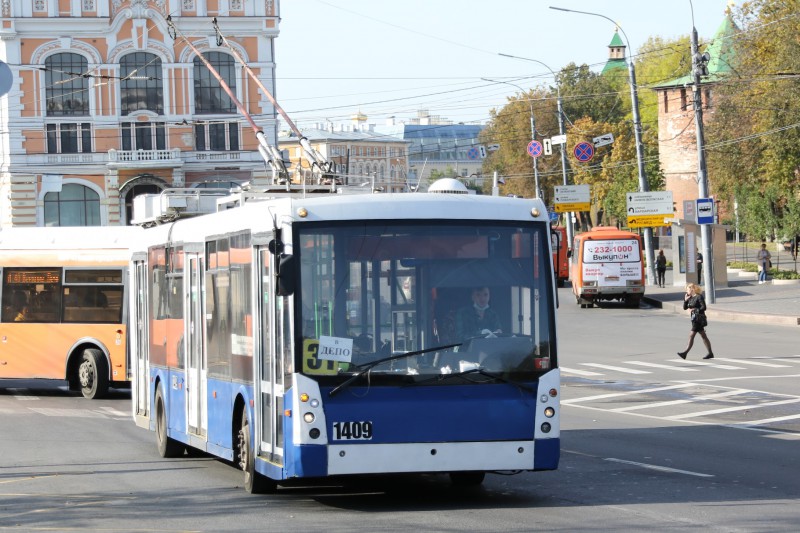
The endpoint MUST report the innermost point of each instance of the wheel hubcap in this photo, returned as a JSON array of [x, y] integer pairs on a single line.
[[86, 375]]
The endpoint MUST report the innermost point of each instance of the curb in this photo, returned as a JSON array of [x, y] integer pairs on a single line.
[[730, 316]]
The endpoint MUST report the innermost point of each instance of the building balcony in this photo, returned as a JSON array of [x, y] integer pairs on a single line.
[[144, 158]]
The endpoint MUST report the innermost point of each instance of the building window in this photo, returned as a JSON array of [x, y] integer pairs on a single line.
[[209, 96], [683, 100], [67, 91], [665, 95], [69, 138], [75, 205], [708, 98], [144, 136], [216, 136], [141, 85]]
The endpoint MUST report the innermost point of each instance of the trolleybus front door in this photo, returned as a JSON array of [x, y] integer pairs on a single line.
[[270, 363], [195, 352]]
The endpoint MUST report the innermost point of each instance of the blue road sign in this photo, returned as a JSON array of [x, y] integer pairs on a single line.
[[473, 153], [553, 216], [584, 152], [705, 210], [535, 148]]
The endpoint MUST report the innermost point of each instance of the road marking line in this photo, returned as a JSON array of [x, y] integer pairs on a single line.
[[703, 363], [618, 394], [679, 402], [114, 412], [659, 468], [565, 370], [75, 413], [792, 361], [617, 368], [742, 361], [732, 409], [656, 365], [771, 420]]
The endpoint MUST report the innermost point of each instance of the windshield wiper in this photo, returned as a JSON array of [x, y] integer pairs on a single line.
[[480, 371], [372, 364]]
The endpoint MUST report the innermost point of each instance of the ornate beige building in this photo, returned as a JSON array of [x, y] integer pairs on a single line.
[[107, 102]]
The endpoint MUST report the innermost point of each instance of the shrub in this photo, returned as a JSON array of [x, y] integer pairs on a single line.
[[783, 274]]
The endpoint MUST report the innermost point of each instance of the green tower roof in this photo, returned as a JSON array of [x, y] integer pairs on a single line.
[[721, 51]]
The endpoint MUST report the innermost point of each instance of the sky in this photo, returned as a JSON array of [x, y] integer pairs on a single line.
[[385, 59]]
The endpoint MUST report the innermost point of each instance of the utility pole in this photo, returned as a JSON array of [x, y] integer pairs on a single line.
[[560, 109], [533, 130], [699, 62], [637, 133]]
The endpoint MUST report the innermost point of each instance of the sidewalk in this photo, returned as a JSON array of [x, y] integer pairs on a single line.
[[741, 301]]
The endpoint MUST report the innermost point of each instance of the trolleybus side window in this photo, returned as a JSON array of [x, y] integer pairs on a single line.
[[31, 295]]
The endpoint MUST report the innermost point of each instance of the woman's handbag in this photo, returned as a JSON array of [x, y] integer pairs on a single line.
[[699, 318]]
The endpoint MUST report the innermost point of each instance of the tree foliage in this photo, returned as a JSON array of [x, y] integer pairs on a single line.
[[754, 134]]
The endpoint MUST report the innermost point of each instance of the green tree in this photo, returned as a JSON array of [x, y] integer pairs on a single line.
[[753, 134]]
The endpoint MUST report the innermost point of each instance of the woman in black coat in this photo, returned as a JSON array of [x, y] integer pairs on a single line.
[[695, 301]]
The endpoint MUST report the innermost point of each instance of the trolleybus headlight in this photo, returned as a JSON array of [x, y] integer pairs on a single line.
[[549, 412], [535, 212], [314, 403], [304, 397], [314, 433], [546, 427], [302, 212], [309, 417]]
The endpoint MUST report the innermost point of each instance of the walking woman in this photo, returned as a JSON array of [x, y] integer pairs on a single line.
[[695, 301]]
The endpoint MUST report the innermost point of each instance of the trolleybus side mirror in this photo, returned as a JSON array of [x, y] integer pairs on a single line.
[[286, 275]]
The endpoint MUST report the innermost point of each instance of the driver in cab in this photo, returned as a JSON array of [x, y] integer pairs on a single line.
[[478, 319]]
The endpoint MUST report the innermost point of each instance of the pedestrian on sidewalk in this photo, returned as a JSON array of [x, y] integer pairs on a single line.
[[661, 267], [764, 263], [699, 267], [694, 300]]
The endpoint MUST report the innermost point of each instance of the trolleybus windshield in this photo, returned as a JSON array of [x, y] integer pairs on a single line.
[[379, 290]]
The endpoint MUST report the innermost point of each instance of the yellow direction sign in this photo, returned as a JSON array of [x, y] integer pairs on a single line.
[[648, 221], [574, 206]]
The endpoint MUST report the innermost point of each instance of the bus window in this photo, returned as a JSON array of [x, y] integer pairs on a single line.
[[33, 290]]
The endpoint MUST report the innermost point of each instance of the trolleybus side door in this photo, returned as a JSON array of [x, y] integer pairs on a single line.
[[270, 362], [196, 376], [139, 339]]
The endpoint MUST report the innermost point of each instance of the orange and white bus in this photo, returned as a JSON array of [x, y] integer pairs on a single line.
[[606, 264], [559, 245], [64, 306]]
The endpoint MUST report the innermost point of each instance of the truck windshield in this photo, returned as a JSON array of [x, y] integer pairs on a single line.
[[370, 291]]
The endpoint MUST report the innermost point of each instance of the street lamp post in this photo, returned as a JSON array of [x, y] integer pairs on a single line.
[[560, 110], [533, 132], [699, 68], [637, 132]]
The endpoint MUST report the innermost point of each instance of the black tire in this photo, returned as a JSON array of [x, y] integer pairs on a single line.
[[633, 302], [254, 483], [467, 479], [167, 447], [93, 374]]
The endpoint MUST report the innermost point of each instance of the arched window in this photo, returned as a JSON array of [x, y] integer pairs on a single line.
[[66, 90], [75, 205], [142, 83], [209, 96]]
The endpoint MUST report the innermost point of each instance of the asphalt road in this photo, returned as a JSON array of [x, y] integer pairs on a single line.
[[674, 446]]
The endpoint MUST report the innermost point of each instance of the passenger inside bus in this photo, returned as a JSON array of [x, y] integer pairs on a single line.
[[477, 319]]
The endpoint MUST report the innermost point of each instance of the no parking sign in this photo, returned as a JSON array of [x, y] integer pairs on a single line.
[[584, 152]]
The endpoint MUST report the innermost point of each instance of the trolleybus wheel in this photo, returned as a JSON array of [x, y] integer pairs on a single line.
[[254, 482], [467, 479], [167, 447], [93, 374]]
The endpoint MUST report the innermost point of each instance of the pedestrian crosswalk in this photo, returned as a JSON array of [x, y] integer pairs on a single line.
[[591, 370]]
